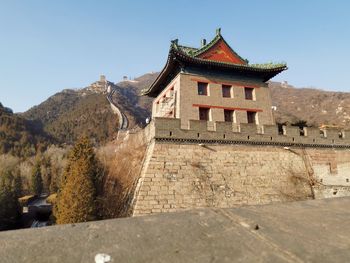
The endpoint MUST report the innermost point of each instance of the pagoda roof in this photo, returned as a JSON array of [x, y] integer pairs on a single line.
[[217, 54]]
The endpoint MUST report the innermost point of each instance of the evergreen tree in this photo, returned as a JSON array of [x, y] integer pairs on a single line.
[[37, 181], [46, 173], [76, 200], [9, 206], [18, 185], [53, 187]]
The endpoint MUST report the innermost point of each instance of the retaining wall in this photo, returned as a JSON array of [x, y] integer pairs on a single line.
[[200, 167]]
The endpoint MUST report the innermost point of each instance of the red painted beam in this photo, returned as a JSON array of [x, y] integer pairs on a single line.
[[237, 84], [225, 108]]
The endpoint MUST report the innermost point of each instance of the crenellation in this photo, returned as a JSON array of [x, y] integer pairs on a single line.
[[332, 134], [291, 131], [270, 130], [249, 128], [258, 134], [312, 132]]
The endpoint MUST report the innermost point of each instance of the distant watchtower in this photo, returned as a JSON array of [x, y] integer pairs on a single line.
[[213, 83]]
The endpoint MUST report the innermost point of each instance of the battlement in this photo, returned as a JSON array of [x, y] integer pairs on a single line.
[[225, 132]]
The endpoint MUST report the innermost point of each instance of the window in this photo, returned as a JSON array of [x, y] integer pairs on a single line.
[[227, 91], [249, 93], [229, 115], [251, 116], [204, 114], [203, 88]]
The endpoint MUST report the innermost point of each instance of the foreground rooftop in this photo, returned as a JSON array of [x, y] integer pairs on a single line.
[[308, 231]]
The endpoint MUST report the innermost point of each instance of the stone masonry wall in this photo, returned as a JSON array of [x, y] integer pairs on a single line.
[[183, 176], [189, 97], [226, 166]]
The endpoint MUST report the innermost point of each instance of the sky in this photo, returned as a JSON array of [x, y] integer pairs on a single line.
[[47, 46]]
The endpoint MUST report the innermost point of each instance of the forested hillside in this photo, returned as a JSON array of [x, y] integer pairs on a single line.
[[315, 107], [71, 113], [20, 137]]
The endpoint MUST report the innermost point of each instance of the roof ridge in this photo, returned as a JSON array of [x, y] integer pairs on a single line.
[[269, 65], [209, 45]]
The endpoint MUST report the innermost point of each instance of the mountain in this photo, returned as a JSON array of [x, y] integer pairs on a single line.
[[315, 107], [127, 96], [71, 113], [20, 137]]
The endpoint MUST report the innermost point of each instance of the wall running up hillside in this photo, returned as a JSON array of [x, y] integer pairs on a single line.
[[200, 167]]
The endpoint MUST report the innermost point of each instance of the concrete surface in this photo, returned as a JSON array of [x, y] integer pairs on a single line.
[[308, 231]]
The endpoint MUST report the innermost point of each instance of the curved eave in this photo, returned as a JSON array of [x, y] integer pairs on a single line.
[[153, 88], [176, 55], [267, 73]]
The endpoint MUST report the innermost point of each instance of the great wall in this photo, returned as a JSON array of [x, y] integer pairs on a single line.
[[213, 141], [214, 165]]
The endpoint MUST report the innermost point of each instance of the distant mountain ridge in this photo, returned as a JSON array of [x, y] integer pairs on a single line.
[[19, 136], [71, 113], [316, 107]]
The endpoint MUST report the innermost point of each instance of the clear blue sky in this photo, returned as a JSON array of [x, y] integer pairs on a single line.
[[47, 46]]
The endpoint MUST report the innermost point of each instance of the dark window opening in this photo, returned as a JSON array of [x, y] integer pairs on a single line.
[[280, 129], [249, 93], [229, 115], [226, 91], [204, 114], [203, 88], [251, 116]]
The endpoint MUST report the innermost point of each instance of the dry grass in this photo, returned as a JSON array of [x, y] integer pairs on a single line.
[[52, 198], [123, 161]]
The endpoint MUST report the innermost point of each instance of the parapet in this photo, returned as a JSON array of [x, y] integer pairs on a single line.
[[169, 129]]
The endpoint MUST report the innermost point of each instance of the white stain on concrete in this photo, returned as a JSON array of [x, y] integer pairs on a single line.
[[102, 258]]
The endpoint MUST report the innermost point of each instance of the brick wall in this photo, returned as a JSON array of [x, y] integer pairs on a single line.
[[182, 176], [189, 97], [199, 167]]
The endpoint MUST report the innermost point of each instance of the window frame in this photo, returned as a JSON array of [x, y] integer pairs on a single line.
[[255, 117], [208, 113], [230, 90], [231, 115], [206, 85], [252, 94]]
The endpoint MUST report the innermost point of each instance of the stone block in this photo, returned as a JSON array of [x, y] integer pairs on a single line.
[[248, 128], [291, 131], [271, 130], [312, 132], [225, 127], [332, 134], [196, 125], [166, 123]]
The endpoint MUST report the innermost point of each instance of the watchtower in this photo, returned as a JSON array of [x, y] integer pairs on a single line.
[[213, 83]]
